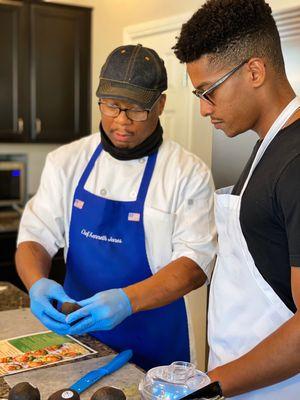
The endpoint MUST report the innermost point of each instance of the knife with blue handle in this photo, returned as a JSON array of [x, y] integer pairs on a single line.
[[94, 376]]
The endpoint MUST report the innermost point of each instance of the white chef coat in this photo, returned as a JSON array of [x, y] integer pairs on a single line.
[[178, 214]]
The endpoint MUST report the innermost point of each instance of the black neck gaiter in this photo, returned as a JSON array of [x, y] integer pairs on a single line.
[[146, 148]]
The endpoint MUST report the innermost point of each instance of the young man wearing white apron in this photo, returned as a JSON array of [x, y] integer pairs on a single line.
[[126, 210], [234, 59]]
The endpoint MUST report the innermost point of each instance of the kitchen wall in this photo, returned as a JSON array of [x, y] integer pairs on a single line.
[[111, 16], [229, 155], [109, 19]]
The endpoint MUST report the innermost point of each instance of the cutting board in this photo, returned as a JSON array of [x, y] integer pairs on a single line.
[[49, 380]]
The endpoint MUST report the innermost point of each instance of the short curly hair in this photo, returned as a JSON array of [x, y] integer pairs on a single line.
[[230, 32]]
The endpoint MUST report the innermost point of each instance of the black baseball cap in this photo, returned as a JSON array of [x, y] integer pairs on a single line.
[[133, 73]]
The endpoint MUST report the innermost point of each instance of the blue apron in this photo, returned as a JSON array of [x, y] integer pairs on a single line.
[[107, 250]]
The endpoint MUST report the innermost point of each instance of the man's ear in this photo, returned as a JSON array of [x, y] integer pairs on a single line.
[[161, 103], [257, 72]]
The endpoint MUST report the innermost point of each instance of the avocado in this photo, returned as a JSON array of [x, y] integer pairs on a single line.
[[108, 393], [24, 391], [65, 394], [68, 308]]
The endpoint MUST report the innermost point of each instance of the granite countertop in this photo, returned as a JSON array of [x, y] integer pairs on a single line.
[[12, 298]]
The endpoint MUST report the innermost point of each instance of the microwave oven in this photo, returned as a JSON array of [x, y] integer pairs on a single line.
[[12, 183]]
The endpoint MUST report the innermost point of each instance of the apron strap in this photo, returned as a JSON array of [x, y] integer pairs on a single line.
[[289, 110], [146, 178], [89, 167]]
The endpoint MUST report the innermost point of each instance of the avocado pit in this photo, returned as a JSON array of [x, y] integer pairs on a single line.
[[67, 308]]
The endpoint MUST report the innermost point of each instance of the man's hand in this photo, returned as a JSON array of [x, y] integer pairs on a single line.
[[103, 311], [41, 294]]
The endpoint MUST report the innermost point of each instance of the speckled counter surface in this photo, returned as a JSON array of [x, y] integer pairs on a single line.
[[12, 298]]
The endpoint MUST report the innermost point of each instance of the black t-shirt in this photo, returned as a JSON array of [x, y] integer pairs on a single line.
[[270, 210]]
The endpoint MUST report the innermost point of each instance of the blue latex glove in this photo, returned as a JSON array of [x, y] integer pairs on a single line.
[[101, 312], [41, 294]]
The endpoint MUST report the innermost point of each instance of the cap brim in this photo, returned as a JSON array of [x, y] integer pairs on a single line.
[[110, 89]]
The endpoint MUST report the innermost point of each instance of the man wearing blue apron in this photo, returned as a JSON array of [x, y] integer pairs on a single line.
[[234, 59], [126, 209]]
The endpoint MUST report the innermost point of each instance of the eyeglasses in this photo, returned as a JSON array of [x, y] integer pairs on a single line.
[[111, 110], [204, 94]]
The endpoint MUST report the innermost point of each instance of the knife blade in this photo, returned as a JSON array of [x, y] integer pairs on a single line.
[[95, 375]]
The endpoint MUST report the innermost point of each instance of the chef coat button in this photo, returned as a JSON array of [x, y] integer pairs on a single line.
[[103, 192], [133, 194], [142, 160]]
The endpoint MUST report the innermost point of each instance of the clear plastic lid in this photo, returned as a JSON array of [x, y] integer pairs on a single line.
[[172, 382]]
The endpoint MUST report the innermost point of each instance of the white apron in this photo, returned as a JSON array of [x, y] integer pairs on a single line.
[[244, 309]]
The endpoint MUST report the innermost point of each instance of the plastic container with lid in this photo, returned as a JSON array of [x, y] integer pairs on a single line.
[[172, 382]]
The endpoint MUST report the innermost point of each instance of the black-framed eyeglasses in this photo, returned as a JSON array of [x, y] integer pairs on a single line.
[[204, 94], [111, 110]]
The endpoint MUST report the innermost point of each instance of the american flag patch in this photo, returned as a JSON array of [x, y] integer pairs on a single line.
[[78, 203], [134, 217]]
